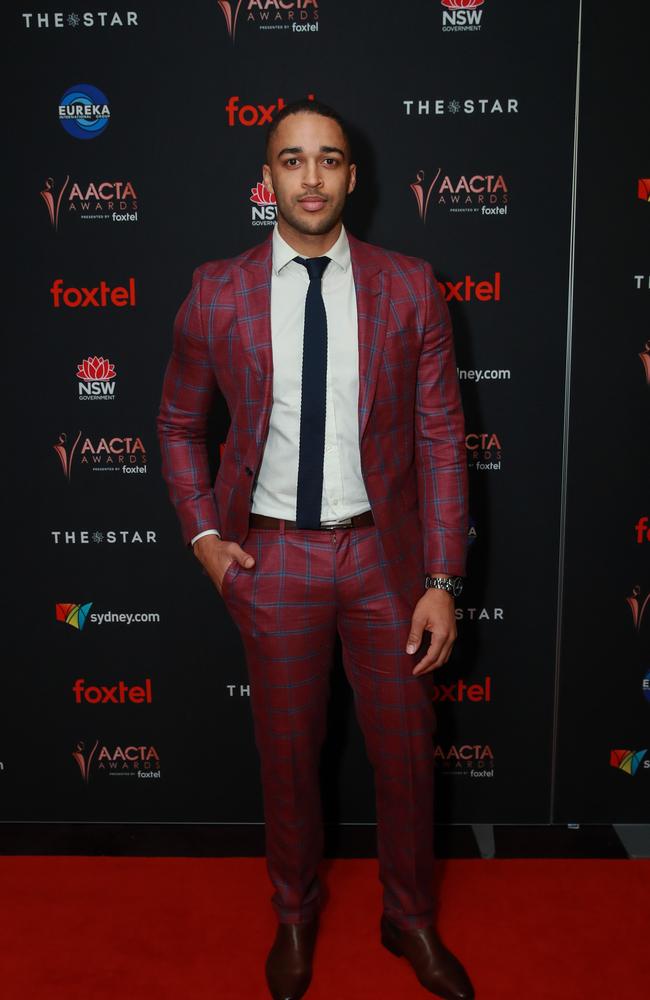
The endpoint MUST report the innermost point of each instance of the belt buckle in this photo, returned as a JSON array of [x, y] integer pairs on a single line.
[[345, 523]]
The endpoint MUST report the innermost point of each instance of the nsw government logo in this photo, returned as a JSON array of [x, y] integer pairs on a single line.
[[462, 15], [131, 761], [84, 111], [264, 210], [643, 189], [96, 380], [629, 761]]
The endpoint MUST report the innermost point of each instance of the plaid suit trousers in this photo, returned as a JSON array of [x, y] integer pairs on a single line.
[[305, 586]]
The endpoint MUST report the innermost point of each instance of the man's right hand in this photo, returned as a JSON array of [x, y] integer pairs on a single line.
[[216, 555]]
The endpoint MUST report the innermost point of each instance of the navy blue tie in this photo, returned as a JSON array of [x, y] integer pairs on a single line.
[[311, 454]]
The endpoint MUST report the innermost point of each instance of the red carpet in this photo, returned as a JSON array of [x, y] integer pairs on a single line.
[[197, 929]]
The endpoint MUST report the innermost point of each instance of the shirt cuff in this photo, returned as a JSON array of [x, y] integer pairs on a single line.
[[202, 534]]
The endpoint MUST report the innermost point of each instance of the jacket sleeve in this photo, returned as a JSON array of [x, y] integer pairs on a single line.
[[187, 396], [440, 453]]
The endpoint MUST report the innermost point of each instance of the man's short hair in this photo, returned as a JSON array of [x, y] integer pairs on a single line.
[[312, 107]]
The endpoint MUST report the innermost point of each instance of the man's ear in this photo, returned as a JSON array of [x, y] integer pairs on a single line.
[[266, 176]]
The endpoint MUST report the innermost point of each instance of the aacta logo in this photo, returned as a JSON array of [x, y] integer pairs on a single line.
[[462, 691], [97, 201], [637, 605], [642, 530], [118, 694], [486, 194], [141, 761], [461, 15], [264, 210], [116, 454], [474, 759], [96, 379], [468, 288], [99, 297], [73, 614], [483, 452], [643, 189], [628, 761], [295, 15], [644, 355]]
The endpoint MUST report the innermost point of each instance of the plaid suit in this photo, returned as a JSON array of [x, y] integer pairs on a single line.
[[306, 585]]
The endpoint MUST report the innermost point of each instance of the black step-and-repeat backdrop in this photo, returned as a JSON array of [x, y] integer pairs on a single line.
[[138, 144]]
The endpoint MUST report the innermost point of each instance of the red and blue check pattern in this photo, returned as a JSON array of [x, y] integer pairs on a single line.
[[306, 586], [410, 416]]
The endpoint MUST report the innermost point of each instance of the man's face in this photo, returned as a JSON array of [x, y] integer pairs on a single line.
[[310, 173]]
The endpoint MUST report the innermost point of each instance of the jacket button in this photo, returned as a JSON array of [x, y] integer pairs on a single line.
[[249, 471]]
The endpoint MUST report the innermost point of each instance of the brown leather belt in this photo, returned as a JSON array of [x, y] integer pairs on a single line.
[[364, 520]]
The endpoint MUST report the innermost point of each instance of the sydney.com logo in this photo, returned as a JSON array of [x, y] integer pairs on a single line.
[[76, 615]]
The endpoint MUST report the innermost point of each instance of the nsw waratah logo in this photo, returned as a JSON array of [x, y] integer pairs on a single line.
[[643, 188], [264, 210], [96, 379], [461, 15], [84, 111]]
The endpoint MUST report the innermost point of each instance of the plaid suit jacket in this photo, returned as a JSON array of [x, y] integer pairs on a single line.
[[411, 427]]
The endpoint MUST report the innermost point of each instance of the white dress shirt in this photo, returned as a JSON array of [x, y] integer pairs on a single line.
[[344, 493]]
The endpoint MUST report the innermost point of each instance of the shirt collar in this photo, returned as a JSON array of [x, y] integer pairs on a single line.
[[283, 253]]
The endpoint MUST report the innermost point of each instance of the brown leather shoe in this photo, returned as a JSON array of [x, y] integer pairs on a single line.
[[437, 969], [288, 967]]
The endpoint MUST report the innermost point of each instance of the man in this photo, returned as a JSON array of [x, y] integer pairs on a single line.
[[342, 480]]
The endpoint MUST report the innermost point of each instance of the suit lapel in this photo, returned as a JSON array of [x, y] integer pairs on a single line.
[[373, 301], [253, 308]]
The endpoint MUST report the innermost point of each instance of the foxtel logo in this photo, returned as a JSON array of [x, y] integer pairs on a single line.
[[117, 694], [253, 114], [467, 289], [99, 297], [461, 691]]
